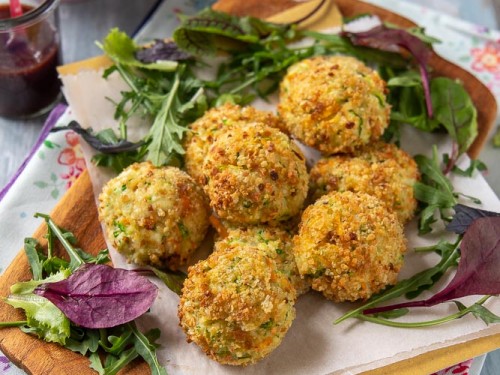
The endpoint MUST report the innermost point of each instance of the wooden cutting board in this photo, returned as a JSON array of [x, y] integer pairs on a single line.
[[77, 212]]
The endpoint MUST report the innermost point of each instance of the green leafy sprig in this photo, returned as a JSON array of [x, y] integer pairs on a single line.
[[167, 93], [109, 349]]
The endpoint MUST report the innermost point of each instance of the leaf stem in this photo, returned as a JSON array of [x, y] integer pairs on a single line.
[[76, 259], [422, 324], [17, 323], [50, 242]]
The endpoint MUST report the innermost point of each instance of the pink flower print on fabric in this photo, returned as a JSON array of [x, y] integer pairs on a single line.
[[460, 369], [487, 58], [72, 156]]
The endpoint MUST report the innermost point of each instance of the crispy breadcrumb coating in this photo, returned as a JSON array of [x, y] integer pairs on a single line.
[[333, 103], [379, 169], [204, 131], [236, 305], [154, 215], [349, 245], [255, 174], [273, 241]]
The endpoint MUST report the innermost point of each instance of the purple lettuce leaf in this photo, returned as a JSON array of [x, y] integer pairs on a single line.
[[477, 271], [388, 39], [465, 216], [161, 50], [100, 296]]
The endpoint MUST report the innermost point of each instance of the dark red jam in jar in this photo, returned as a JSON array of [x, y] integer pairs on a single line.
[[29, 55]]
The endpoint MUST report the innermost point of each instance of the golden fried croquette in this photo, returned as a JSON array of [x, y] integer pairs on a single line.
[[236, 305], [154, 215], [255, 174], [349, 245], [204, 131], [333, 103], [273, 241], [380, 169]]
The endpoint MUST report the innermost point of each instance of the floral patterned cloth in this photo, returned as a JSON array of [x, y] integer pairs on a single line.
[[58, 161]]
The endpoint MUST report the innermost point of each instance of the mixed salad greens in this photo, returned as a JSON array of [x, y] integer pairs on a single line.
[[253, 56], [85, 305]]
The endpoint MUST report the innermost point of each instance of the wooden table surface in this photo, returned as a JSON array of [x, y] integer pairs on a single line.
[[84, 21]]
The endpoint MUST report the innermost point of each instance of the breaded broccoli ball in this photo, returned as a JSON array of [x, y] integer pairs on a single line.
[[380, 169], [154, 215], [255, 174], [349, 245], [236, 305], [333, 103], [274, 242], [205, 130]]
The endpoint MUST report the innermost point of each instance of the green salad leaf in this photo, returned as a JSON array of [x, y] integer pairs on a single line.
[[454, 110], [42, 316], [210, 31], [121, 49], [434, 192]]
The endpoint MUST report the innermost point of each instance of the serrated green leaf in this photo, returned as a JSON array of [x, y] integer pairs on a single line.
[[147, 350], [481, 312], [31, 247], [89, 343], [95, 363]]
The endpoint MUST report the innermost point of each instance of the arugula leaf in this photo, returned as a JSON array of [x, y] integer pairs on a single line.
[[475, 165], [166, 132], [434, 192], [477, 309], [114, 364], [117, 343], [31, 249], [95, 363], [75, 258], [88, 341], [146, 349]]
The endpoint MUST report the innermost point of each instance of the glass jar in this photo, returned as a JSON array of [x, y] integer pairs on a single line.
[[29, 55]]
